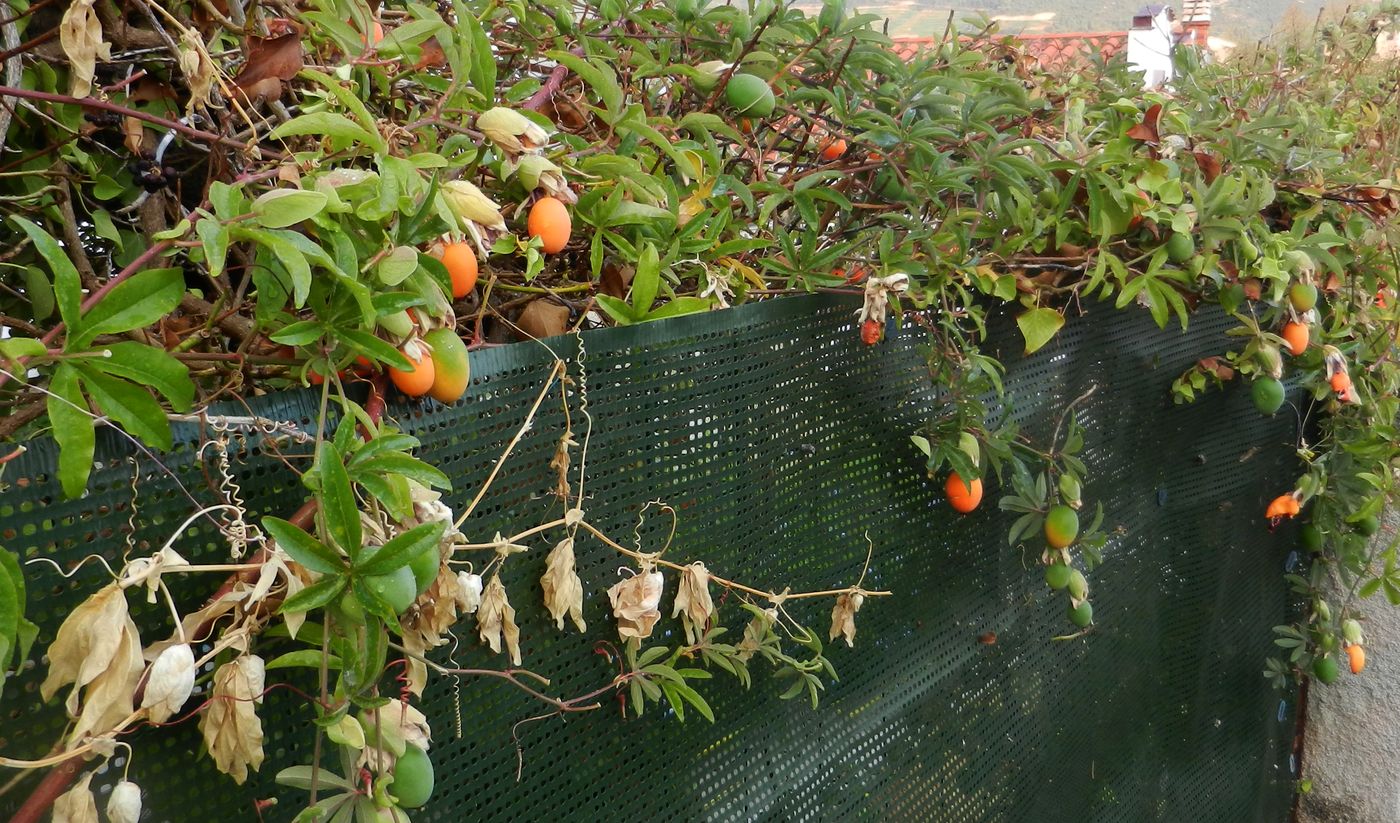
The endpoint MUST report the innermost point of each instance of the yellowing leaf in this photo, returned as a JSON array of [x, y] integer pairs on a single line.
[[563, 590], [230, 725]]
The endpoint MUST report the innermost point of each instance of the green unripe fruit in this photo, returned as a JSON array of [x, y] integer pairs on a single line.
[[750, 95], [1325, 669], [1302, 296], [1180, 247], [1324, 612], [1078, 585], [1268, 395], [397, 588], [1367, 526], [398, 324], [685, 10], [1351, 630], [1081, 615], [351, 611], [1310, 537], [413, 778], [1061, 526], [425, 569], [1057, 575]]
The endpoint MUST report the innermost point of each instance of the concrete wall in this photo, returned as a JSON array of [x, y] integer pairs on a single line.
[[1352, 749]]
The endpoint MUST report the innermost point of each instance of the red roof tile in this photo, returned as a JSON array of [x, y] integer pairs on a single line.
[[1051, 51]]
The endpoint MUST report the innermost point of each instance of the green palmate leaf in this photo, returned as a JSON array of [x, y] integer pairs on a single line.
[[72, 428], [148, 366], [130, 405], [315, 596], [280, 208], [303, 548], [135, 303], [403, 549], [67, 286], [339, 511], [1038, 326]]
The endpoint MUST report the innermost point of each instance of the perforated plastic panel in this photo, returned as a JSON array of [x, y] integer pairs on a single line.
[[782, 440]]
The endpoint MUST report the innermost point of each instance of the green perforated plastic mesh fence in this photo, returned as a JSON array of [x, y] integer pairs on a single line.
[[782, 442]]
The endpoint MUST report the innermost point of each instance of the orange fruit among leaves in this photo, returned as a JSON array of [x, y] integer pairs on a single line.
[[549, 220], [461, 265], [1285, 505], [1296, 335], [870, 332], [1356, 656], [1341, 382], [418, 380], [963, 497], [451, 370], [833, 149]]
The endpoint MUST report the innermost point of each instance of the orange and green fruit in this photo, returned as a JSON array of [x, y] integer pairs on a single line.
[[1310, 536], [1081, 615], [1356, 657], [1325, 669], [1302, 296], [1061, 526], [1296, 336], [1180, 247], [1268, 395], [418, 379], [1367, 526], [833, 149], [451, 367], [549, 220], [1057, 575], [397, 588], [460, 261], [750, 95], [962, 496], [413, 778]]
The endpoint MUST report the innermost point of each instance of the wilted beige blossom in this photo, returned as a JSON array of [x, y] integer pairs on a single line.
[[124, 806], [536, 172], [636, 604], [169, 683], [755, 632], [693, 602], [843, 616], [468, 592], [388, 731], [230, 724], [425, 626], [98, 648], [477, 214], [77, 805], [563, 590], [512, 131], [496, 619]]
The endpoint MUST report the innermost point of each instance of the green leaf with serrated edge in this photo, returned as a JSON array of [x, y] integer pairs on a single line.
[[135, 303], [130, 405], [67, 286], [402, 549], [339, 511], [148, 366], [303, 548], [315, 596], [73, 428]]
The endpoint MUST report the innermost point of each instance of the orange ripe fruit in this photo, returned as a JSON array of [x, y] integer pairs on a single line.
[[833, 149], [461, 265], [1341, 381], [963, 497], [1296, 335], [549, 220], [1357, 657], [418, 380], [870, 332]]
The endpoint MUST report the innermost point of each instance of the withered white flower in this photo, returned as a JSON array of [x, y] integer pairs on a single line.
[[124, 806], [477, 214], [496, 619], [77, 805], [636, 604], [563, 590], [147, 571], [468, 592], [877, 295], [512, 131], [86, 643], [693, 601], [755, 632], [536, 172], [843, 616], [232, 731], [169, 683]]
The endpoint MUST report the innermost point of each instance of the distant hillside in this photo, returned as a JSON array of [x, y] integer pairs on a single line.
[[1242, 21]]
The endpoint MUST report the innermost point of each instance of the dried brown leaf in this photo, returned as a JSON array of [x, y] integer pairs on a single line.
[[636, 604], [77, 805], [496, 619], [80, 34], [843, 616], [560, 463], [198, 69], [271, 61], [133, 134], [754, 633], [230, 724], [542, 318], [693, 601], [425, 625], [563, 590]]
